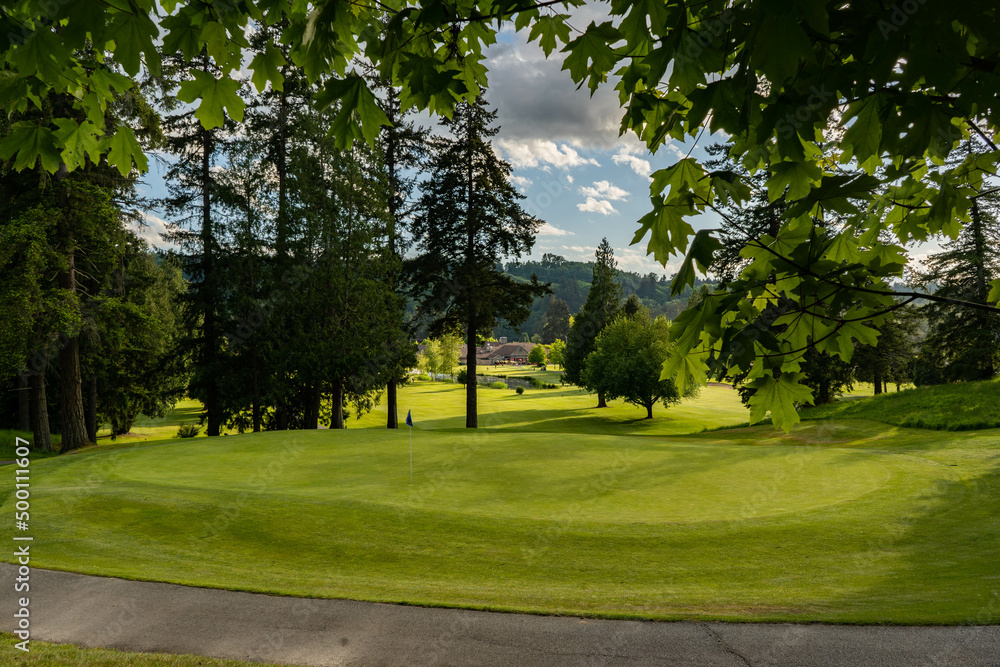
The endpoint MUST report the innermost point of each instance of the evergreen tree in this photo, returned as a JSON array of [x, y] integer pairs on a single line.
[[603, 301], [404, 146], [344, 317], [892, 359], [192, 202], [468, 219], [965, 342], [556, 321]]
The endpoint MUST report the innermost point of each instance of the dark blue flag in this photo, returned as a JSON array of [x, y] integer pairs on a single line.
[[409, 419]]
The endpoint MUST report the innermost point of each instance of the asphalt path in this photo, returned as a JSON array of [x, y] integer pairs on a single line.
[[156, 617]]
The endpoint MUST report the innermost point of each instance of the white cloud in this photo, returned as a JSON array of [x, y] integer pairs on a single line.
[[569, 178], [604, 190], [151, 229], [551, 230], [636, 163], [597, 206], [528, 153], [636, 259], [520, 180]]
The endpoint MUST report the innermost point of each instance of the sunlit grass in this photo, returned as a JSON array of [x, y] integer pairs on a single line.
[[554, 506]]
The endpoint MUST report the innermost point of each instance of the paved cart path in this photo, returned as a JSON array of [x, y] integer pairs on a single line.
[[156, 617]]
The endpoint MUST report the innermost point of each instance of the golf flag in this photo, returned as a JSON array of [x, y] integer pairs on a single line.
[[409, 419]]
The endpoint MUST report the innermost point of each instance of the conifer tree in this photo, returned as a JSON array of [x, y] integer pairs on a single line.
[[963, 342], [601, 306], [468, 220]]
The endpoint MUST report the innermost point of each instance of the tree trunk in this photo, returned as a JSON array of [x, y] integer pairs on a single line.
[[649, 411], [92, 409], [40, 413], [23, 403], [877, 379], [471, 406], [601, 402], [315, 398], [72, 417], [392, 420], [209, 335], [255, 410], [337, 420], [281, 418]]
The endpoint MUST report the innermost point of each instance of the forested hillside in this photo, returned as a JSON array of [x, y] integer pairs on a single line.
[[570, 282]]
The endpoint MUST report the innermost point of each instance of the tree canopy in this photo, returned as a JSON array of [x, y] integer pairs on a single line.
[[849, 108]]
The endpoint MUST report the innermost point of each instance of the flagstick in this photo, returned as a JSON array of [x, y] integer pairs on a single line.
[[411, 455]]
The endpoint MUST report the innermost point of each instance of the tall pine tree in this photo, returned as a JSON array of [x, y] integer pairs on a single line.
[[468, 220], [601, 306]]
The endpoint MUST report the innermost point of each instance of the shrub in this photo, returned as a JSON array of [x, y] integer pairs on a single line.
[[519, 390], [498, 385], [423, 376], [188, 430], [462, 377]]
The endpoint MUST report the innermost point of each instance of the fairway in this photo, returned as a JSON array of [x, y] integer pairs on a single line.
[[554, 507]]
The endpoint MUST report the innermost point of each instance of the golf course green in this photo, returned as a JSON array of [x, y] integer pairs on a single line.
[[552, 507]]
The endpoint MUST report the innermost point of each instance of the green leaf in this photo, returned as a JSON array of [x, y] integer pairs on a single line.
[[42, 55], [123, 149], [591, 55], [798, 177], [684, 176], [843, 249], [547, 29], [685, 369], [133, 34], [30, 143], [266, 67], [864, 136], [217, 96], [359, 117], [994, 296], [669, 230], [779, 398], [780, 47], [79, 140]]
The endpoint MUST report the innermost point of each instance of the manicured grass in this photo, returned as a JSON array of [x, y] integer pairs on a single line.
[[46, 654], [553, 507], [950, 407], [8, 443]]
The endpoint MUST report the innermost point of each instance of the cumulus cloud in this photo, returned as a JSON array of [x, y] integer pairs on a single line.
[[551, 230], [151, 229], [604, 190], [521, 181], [536, 99], [528, 153], [637, 164], [601, 206], [569, 178]]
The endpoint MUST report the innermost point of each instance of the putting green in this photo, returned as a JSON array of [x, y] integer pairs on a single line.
[[556, 508], [591, 478]]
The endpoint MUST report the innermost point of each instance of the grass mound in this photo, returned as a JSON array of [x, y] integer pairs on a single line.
[[951, 407]]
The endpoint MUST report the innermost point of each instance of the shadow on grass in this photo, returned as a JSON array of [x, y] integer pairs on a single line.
[[939, 556]]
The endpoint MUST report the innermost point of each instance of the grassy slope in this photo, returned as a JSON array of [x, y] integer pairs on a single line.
[[552, 509], [45, 654], [951, 407]]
